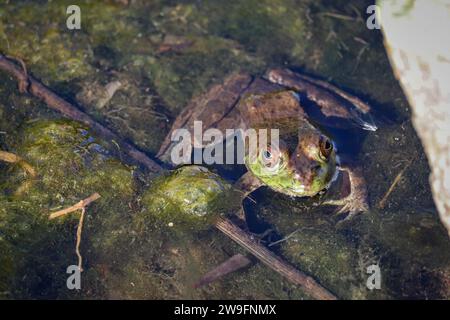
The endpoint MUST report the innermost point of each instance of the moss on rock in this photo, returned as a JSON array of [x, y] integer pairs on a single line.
[[71, 164], [188, 199], [37, 33]]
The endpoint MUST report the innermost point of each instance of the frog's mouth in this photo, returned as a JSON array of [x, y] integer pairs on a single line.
[[323, 180]]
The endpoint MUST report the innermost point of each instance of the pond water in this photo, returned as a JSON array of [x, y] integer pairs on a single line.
[[160, 54]]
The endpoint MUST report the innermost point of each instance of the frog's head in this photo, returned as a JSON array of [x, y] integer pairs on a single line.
[[300, 168]]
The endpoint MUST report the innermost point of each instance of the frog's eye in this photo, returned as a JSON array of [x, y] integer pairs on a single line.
[[271, 159], [326, 147], [267, 155]]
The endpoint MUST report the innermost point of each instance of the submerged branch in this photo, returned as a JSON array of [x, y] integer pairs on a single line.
[[235, 263], [311, 286]]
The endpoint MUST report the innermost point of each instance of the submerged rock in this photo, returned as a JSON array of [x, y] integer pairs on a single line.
[[71, 164], [45, 44], [189, 198]]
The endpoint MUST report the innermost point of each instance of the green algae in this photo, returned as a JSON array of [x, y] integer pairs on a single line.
[[44, 43], [8, 260], [70, 167], [70, 163], [178, 77], [272, 29], [190, 198]]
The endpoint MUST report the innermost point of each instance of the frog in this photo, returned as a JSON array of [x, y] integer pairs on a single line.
[[305, 161]]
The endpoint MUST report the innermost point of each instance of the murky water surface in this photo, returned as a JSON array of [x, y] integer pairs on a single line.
[[163, 53]]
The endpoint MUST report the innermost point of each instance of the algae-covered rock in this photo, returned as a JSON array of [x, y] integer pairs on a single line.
[[272, 29], [189, 198], [71, 164], [55, 53]]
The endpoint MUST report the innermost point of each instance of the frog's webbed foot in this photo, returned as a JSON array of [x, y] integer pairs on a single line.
[[357, 201], [335, 107], [350, 204]]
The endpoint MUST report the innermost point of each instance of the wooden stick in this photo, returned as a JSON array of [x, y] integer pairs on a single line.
[[311, 287], [78, 206], [13, 158], [236, 262], [77, 246], [28, 84], [397, 179]]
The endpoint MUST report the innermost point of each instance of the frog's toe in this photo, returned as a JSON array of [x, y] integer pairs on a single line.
[[350, 205]]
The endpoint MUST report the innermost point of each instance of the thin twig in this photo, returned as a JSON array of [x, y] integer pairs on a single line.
[[284, 239], [13, 158], [77, 246], [78, 206], [397, 179], [339, 16]]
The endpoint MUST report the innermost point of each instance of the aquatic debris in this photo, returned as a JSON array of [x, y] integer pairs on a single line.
[[79, 206], [307, 283], [12, 158], [236, 262], [397, 179]]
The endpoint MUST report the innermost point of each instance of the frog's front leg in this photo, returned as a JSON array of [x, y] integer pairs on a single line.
[[357, 200], [246, 185]]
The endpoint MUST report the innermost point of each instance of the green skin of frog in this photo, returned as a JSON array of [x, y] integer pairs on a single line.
[[305, 161]]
